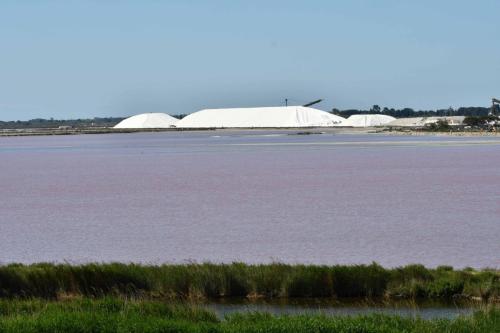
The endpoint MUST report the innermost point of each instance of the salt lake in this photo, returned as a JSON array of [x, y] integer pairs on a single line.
[[252, 196]]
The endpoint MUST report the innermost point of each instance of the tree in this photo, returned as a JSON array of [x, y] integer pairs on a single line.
[[440, 125], [474, 121]]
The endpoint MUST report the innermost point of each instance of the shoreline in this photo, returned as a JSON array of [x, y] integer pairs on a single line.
[[445, 134], [302, 130], [114, 314]]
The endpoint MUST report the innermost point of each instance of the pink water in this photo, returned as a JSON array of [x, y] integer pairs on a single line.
[[250, 196]]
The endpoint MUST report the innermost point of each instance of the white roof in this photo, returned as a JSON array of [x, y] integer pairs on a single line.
[[367, 120], [422, 121], [282, 116], [148, 120]]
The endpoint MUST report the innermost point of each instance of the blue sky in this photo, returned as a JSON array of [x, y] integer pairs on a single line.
[[69, 59]]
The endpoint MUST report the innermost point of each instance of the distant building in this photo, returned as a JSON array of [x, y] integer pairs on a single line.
[[367, 120], [424, 121]]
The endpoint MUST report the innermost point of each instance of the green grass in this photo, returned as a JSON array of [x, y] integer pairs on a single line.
[[195, 281], [122, 315]]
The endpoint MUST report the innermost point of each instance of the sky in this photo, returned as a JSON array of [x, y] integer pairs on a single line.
[[83, 59]]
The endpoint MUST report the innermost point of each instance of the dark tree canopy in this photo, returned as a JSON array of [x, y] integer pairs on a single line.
[[54, 123], [409, 112]]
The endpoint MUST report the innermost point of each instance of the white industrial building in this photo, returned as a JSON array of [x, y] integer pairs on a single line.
[[148, 120], [367, 120], [423, 121], [262, 117]]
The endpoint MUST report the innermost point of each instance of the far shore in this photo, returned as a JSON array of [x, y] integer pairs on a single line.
[[303, 130]]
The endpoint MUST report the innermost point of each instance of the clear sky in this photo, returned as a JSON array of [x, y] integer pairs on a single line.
[[69, 59]]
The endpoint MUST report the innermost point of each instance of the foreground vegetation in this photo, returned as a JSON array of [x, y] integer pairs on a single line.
[[198, 281], [118, 315]]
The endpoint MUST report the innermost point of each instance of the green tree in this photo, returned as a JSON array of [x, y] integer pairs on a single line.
[[440, 125]]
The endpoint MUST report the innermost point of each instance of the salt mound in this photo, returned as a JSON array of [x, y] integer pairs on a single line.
[[367, 120], [270, 117], [148, 120]]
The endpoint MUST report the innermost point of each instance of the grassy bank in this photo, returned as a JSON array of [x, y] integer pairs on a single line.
[[196, 281], [118, 315]]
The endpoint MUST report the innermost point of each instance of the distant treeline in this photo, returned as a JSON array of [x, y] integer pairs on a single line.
[[409, 112], [55, 123]]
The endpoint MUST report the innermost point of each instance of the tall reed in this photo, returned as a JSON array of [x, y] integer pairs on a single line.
[[208, 280]]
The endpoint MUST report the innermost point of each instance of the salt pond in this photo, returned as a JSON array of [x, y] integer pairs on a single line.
[[253, 196]]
